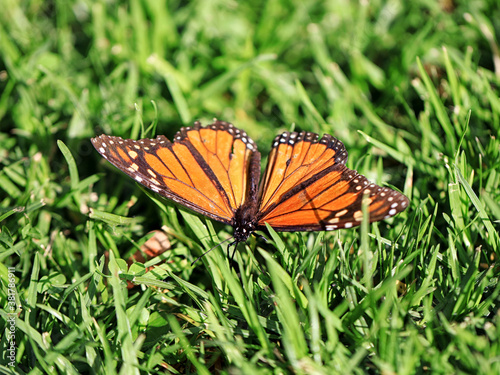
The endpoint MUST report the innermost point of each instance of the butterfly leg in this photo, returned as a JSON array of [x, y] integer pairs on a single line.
[[235, 245], [261, 237]]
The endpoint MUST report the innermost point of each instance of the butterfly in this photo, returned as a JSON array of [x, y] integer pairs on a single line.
[[214, 170]]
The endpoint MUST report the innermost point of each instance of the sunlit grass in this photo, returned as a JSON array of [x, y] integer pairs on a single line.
[[410, 88]]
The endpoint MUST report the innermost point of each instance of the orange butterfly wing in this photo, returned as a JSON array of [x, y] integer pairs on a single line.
[[307, 187], [207, 169]]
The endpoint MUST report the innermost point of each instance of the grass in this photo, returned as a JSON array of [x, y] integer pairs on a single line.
[[411, 88]]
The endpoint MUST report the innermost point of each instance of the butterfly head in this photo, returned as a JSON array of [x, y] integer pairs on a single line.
[[245, 221]]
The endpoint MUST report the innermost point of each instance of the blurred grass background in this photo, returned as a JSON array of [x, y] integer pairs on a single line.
[[411, 88]]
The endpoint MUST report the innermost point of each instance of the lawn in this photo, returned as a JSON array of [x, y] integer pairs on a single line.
[[411, 88]]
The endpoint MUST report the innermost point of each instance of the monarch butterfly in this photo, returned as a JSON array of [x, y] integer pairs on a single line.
[[214, 170]]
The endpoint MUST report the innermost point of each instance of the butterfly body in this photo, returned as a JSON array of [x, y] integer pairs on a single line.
[[215, 171]]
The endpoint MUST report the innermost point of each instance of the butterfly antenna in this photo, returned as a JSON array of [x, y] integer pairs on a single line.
[[206, 252]]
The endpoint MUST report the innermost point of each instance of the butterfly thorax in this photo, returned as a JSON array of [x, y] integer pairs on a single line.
[[245, 221]]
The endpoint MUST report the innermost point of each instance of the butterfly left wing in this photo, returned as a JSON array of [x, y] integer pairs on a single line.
[[307, 187], [210, 170]]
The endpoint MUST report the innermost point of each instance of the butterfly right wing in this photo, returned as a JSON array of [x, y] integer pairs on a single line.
[[205, 169], [307, 187]]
